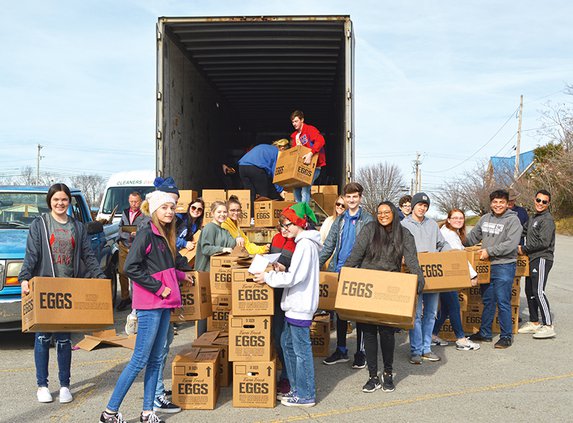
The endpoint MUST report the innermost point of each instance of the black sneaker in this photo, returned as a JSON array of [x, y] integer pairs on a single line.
[[336, 357], [111, 418], [167, 392], [479, 338], [503, 343], [164, 405], [150, 418], [372, 384], [359, 360], [388, 385]]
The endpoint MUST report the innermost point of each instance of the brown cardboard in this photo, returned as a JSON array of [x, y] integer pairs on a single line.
[[447, 331], [320, 335], [463, 297], [186, 197], [290, 171], [289, 196], [471, 319], [250, 338], [473, 295], [482, 267], [67, 305], [267, 212], [219, 340], [195, 378], [249, 298], [221, 305], [190, 254], [221, 267], [108, 337], [445, 271], [522, 266], [244, 197], [328, 285], [195, 299], [254, 384], [209, 196], [515, 292], [373, 296]]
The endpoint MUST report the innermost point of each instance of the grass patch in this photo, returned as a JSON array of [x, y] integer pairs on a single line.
[[472, 220], [564, 226]]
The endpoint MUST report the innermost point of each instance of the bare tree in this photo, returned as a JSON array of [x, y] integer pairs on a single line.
[[92, 186], [450, 196], [381, 181]]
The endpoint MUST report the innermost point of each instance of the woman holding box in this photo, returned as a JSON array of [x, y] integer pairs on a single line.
[[381, 245], [190, 224], [454, 231], [155, 267], [213, 239], [231, 224], [57, 246]]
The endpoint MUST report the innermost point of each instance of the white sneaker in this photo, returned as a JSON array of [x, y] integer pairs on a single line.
[[131, 323], [44, 395], [65, 395], [529, 327], [544, 332], [465, 344]]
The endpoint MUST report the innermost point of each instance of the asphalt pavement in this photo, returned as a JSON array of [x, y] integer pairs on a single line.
[[531, 381]]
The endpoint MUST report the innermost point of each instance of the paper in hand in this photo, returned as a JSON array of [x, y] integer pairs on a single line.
[[260, 262]]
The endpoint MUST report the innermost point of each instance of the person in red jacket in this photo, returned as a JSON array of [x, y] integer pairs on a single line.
[[310, 137]]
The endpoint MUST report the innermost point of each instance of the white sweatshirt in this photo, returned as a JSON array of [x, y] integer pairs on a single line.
[[300, 296], [456, 243]]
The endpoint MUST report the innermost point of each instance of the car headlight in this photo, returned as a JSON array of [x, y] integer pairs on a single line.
[[12, 270]]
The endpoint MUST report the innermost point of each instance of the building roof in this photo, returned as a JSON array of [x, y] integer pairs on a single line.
[[506, 165]]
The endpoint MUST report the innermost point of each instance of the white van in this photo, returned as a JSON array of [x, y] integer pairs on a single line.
[[118, 188]]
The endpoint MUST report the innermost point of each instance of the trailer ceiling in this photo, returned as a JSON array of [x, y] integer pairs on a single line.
[[266, 67]]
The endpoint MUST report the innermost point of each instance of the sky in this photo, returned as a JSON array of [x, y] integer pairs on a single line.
[[439, 78]]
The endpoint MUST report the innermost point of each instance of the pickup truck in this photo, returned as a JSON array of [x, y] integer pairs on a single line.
[[19, 206]]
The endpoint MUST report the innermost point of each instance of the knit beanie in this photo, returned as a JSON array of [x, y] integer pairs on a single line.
[[156, 199], [299, 214], [420, 197], [166, 185]]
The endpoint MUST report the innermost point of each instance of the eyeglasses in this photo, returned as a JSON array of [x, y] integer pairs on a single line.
[[234, 210], [194, 208], [456, 218], [384, 213], [286, 225], [539, 200], [340, 205]]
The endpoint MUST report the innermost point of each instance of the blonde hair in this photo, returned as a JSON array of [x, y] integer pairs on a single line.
[[339, 198], [167, 231]]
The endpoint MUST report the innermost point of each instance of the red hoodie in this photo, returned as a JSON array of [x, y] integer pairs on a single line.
[[310, 137]]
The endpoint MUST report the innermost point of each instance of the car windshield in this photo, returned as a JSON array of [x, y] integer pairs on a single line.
[[19, 209], [119, 197]]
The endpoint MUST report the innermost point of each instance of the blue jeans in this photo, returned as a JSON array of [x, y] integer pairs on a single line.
[[497, 292], [277, 328], [149, 347], [297, 351], [450, 307], [42, 357], [302, 194], [421, 335], [168, 340]]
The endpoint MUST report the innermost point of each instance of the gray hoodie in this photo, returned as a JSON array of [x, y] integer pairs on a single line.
[[499, 236], [427, 235]]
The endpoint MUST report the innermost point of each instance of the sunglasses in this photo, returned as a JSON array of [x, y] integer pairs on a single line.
[[539, 200], [194, 208], [340, 205]]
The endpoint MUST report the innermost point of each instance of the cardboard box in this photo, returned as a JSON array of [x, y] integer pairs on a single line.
[[373, 296], [516, 292], [195, 299], [324, 189], [67, 305], [463, 297], [267, 212], [522, 266], [254, 384], [328, 285], [482, 267], [221, 267], [445, 271], [249, 298], [186, 197], [471, 319], [326, 202], [473, 295], [107, 337], [250, 338], [209, 196], [289, 196], [447, 332], [221, 305], [290, 171], [244, 197], [195, 378], [320, 335], [219, 340]]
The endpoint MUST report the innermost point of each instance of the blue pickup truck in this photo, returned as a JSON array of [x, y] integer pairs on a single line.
[[19, 206]]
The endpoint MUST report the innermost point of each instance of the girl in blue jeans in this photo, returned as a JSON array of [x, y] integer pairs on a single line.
[[155, 267]]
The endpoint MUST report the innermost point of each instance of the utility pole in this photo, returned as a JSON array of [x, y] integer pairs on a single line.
[[518, 143], [38, 158], [417, 174]]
